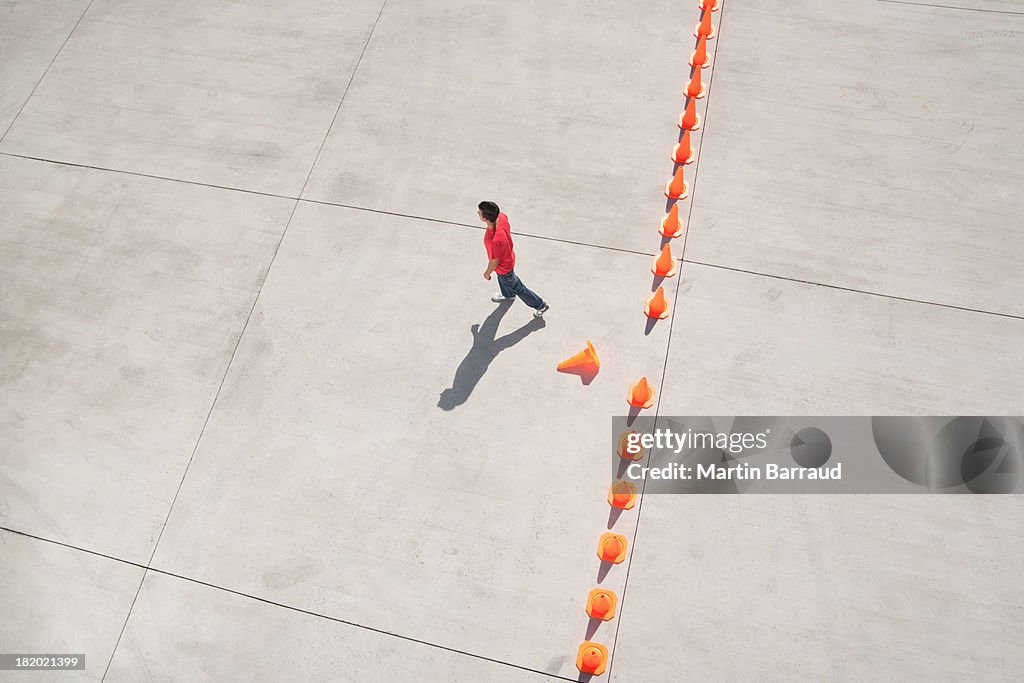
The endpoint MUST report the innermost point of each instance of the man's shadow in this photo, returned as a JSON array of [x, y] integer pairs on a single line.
[[485, 349]]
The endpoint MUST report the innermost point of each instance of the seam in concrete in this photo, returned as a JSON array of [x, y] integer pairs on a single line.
[[860, 291], [344, 94], [671, 327], [316, 201], [279, 604], [528, 235], [46, 71], [238, 343], [138, 174], [953, 7], [525, 234]]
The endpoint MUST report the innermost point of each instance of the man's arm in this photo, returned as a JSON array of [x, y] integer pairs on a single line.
[[491, 265]]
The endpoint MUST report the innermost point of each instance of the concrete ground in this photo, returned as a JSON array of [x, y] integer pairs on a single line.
[[259, 420]]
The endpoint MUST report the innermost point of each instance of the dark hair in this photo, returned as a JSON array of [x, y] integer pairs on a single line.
[[490, 210]]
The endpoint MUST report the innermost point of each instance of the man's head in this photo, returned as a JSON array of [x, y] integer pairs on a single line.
[[488, 212]]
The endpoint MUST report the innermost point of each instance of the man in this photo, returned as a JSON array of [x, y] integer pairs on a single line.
[[502, 259]]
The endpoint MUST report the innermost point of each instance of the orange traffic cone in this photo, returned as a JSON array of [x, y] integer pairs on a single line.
[[625, 447], [695, 89], [601, 604], [586, 357], [676, 187], [705, 27], [683, 152], [664, 264], [641, 395], [657, 305], [622, 494], [670, 226], [699, 58], [690, 120], [592, 658], [708, 5], [612, 547]]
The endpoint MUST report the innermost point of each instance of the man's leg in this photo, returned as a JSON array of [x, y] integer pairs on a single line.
[[505, 292], [505, 284], [517, 286]]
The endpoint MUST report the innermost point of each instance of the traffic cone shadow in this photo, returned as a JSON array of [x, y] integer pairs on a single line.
[[603, 570], [586, 373], [621, 470], [614, 512], [592, 628], [634, 412], [649, 327], [585, 678]]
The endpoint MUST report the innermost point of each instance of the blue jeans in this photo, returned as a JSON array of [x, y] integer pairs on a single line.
[[511, 285]]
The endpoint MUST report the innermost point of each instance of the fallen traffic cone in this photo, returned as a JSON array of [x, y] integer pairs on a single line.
[[705, 27], [670, 226], [630, 451], [683, 153], [690, 120], [586, 357], [657, 305], [695, 89], [601, 604], [708, 5], [664, 265], [641, 395], [676, 187], [699, 58], [592, 658], [622, 494], [612, 547]]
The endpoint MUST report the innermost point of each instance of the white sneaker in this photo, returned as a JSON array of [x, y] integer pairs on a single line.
[[539, 313], [498, 298]]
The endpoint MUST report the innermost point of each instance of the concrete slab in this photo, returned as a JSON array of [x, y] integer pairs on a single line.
[[1000, 6], [183, 631], [529, 106], [750, 345], [867, 149], [224, 93], [373, 459], [813, 588], [331, 479], [56, 600], [121, 303], [31, 33]]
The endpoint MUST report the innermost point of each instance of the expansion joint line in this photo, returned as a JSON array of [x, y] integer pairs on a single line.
[[238, 342], [592, 658]]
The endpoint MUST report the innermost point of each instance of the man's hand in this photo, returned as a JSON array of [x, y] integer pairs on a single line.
[[487, 275]]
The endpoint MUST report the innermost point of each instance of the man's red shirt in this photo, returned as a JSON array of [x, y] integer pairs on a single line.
[[498, 243]]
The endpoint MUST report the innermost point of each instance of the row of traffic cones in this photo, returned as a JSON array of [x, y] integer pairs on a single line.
[[592, 657]]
